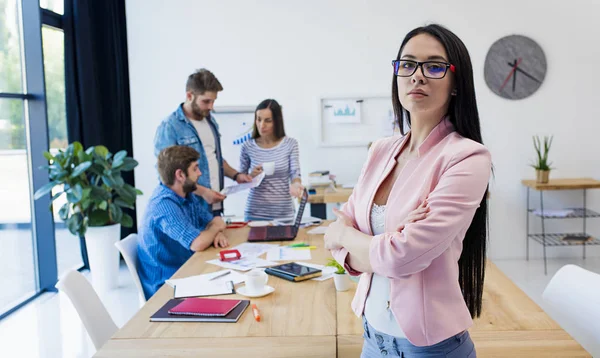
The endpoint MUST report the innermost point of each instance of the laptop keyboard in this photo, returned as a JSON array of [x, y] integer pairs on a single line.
[[277, 231]]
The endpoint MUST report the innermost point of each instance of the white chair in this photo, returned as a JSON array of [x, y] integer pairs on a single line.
[[93, 314], [128, 248], [572, 299]]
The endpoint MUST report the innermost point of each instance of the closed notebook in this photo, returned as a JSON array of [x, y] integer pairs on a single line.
[[205, 307], [293, 272], [163, 315]]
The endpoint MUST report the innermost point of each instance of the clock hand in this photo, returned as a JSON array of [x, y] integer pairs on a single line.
[[525, 73], [515, 76], [510, 74]]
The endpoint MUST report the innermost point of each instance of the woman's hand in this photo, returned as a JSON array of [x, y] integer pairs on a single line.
[[419, 213], [296, 190], [256, 170], [335, 230]]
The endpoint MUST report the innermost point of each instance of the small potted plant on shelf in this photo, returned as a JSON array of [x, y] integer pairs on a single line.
[[95, 192], [340, 277], [541, 164]]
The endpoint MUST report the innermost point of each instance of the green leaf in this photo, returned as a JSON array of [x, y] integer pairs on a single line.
[[63, 213], [80, 169], [99, 218], [103, 205], [124, 204], [117, 179], [118, 158], [75, 194], [116, 212], [90, 150], [128, 164], [126, 220], [99, 194], [139, 192], [44, 190], [125, 194], [55, 196], [77, 148], [102, 151], [108, 181], [48, 156], [74, 225]]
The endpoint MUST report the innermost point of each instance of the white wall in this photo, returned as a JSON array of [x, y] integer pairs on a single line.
[[299, 51]]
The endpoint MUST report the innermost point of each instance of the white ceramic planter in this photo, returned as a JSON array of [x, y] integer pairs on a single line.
[[103, 256], [341, 281]]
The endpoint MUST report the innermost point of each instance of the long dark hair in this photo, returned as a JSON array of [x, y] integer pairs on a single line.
[[275, 108], [463, 114]]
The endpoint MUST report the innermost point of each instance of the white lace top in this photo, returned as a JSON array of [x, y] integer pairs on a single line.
[[377, 311]]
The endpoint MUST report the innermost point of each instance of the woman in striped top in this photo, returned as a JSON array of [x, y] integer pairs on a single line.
[[272, 199]]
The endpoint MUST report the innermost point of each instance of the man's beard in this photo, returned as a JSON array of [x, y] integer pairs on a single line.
[[189, 186], [197, 111]]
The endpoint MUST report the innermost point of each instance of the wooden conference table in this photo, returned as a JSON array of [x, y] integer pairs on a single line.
[[311, 319]]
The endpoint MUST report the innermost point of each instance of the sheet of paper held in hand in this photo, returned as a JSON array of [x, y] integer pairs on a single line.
[[245, 186]]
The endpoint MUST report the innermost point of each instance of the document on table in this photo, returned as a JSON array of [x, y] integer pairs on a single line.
[[283, 253], [243, 264], [245, 186], [198, 280], [248, 249]]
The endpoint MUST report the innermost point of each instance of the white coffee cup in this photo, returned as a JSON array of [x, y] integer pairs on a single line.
[[256, 280], [269, 168]]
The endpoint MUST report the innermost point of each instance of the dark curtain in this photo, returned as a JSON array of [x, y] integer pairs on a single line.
[[97, 79]]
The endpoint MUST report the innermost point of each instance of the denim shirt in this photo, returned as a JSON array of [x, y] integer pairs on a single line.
[[178, 130]]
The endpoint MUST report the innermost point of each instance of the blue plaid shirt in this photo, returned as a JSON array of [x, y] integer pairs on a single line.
[[170, 225]]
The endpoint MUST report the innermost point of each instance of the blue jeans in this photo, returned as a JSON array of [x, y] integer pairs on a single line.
[[378, 344]]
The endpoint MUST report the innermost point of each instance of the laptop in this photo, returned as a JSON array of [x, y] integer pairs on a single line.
[[279, 233]]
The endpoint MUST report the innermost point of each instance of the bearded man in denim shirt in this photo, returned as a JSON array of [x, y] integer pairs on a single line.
[[192, 125]]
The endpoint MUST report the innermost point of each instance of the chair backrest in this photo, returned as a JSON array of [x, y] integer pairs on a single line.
[[128, 248], [572, 299], [93, 314]]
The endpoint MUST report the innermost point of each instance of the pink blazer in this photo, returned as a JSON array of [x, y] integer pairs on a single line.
[[421, 261]]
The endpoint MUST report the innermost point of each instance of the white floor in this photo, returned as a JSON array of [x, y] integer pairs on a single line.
[[50, 327]]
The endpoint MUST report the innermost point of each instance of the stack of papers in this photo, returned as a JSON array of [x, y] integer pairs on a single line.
[[245, 186], [243, 264], [288, 254], [554, 213]]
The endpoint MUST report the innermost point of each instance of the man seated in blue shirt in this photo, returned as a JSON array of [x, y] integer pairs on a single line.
[[176, 223]]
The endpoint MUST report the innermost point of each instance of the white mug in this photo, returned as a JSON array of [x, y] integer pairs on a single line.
[[256, 280], [269, 168]]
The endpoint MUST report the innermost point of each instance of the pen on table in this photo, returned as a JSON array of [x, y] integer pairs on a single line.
[[303, 247], [256, 313], [221, 275], [300, 244]]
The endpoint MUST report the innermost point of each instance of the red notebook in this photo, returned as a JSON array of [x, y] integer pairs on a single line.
[[211, 307]]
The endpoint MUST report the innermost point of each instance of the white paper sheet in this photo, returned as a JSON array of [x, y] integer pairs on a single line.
[[234, 276], [243, 264], [245, 186], [288, 254], [206, 288], [248, 249]]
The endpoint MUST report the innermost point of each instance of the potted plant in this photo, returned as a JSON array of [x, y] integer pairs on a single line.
[[541, 165], [95, 197], [340, 277]]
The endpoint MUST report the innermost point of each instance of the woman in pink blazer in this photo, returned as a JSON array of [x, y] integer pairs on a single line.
[[421, 281]]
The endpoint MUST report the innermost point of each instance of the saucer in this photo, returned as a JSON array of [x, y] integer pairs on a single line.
[[242, 291]]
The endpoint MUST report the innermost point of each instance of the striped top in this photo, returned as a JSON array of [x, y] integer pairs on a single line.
[[271, 199], [170, 225]]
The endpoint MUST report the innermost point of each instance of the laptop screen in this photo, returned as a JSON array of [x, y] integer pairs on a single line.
[[301, 208]]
